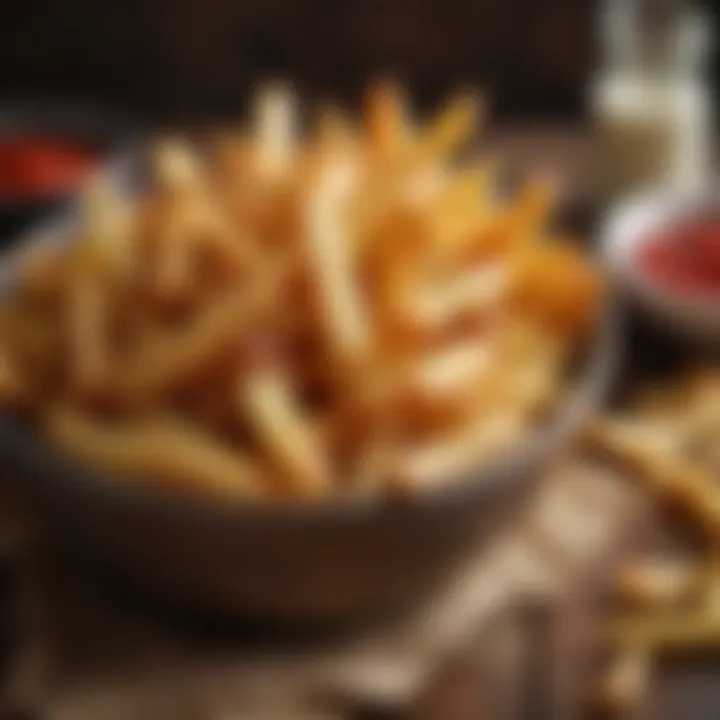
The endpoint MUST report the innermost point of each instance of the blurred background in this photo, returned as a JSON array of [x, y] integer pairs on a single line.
[[165, 59]]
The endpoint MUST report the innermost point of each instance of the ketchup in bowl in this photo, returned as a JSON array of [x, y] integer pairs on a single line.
[[35, 166], [684, 256]]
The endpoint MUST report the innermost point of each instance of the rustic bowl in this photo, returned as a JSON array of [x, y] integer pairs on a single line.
[[328, 561]]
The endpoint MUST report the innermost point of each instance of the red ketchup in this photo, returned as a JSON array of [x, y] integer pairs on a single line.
[[32, 166], [684, 257]]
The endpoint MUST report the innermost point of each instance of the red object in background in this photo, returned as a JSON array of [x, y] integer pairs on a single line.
[[684, 257], [33, 166]]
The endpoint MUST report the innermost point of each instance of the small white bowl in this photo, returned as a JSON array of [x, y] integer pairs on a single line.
[[632, 223]]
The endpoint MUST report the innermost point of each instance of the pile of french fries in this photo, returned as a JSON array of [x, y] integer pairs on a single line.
[[670, 438], [289, 314]]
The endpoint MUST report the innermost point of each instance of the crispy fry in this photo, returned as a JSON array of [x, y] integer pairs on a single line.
[[177, 166], [41, 272], [264, 396], [668, 438], [664, 632], [532, 211], [108, 217], [347, 324], [476, 291], [386, 121], [373, 466], [172, 357], [161, 448], [659, 584], [452, 370], [462, 204], [87, 321], [450, 128], [555, 285], [13, 386], [626, 683], [434, 143], [175, 261], [445, 389], [446, 458], [275, 127], [674, 479]]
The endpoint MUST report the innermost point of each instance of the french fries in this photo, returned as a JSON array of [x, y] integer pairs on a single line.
[[265, 396], [86, 308], [668, 438], [160, 449], [331, 265], [172, 357], [432, 465], [627, 681], [387, 122], [275, 127], [659, 584], [673, 478], [346, 311]]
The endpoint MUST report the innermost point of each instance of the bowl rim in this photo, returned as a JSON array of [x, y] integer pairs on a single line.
[[28, 449]]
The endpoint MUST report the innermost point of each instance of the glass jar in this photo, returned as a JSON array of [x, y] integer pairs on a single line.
[[650, 102]]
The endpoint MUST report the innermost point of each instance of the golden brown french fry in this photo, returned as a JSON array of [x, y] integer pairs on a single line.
[[432, 146], [161, 448], [194, 231], [469, 189], [109, 225], [337, 134], [531, 212], [174, 273], [332, 269], [172, 356], [453, 369], [673, 479], [668, 631], [462, 203], [453, 125], [508, 229], [703, 405], [393, 262], [386, 121], [14, 388], [445, 389], [374, 465], [476, 291], [87, 321], [530, 366], [711, 589], [626, 682], [445, 458], [265, 398], [231, 153], [658, 584], [41, 272], [557, 287], [177, 166], [37, 340], [275, 126]]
